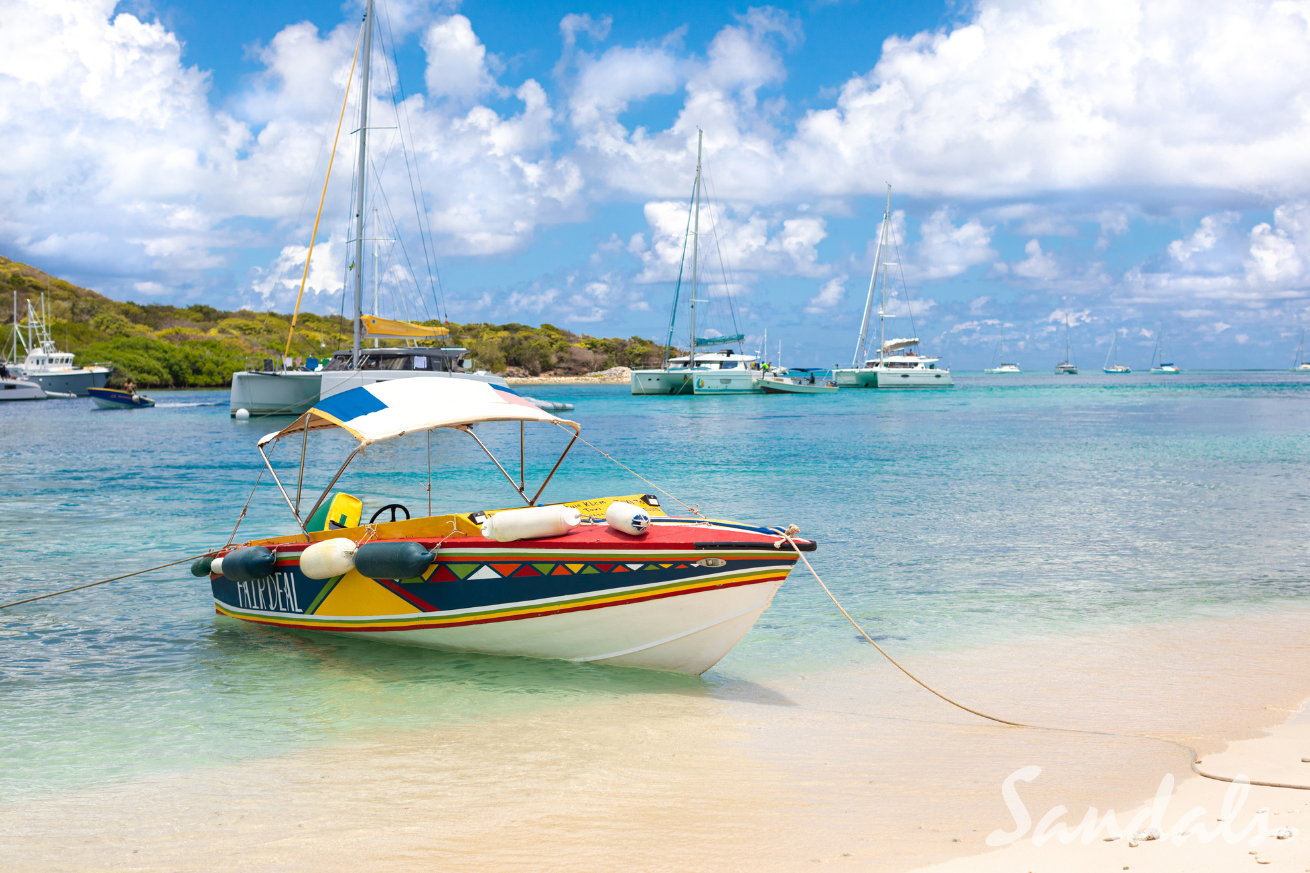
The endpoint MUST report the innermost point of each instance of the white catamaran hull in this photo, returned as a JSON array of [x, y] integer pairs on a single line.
[[293, 392], [661, 382], [871, 377], [737, 380]]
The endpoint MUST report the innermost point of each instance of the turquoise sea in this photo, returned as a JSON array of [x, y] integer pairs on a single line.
[[1009, 508]]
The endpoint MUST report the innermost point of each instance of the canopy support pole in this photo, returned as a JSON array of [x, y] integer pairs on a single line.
[[522, 457], [428, 433], [285, 496], [326, 490], [300, 482], [533, 501], [497, 463]]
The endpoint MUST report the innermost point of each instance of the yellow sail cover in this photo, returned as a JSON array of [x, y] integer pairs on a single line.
[[385, 328]]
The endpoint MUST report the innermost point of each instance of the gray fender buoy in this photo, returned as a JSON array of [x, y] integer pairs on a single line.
[[248, 564], [393, 560]]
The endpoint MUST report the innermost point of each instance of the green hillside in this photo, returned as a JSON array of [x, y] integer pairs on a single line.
[[163, 346]]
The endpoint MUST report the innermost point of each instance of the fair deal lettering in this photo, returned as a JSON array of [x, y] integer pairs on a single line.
[[276, 593], [1149, 819]]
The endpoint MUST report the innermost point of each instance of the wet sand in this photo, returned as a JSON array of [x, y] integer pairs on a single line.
[[856, 767]]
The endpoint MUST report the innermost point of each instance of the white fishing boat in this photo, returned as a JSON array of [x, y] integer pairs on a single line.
[[1066, 367], [997, 367], [43, 363], [1112, 365], [280, 389], [723, 372], [1301, 365], [1157, 356], [898, 363], [785, 383]]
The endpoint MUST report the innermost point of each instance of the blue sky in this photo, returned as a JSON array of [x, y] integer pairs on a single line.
[[1119, 164]]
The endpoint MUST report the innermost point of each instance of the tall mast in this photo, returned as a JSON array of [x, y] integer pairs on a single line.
[[376, 343], [695, 247], [882, 246], [362, 176], [868, 300]]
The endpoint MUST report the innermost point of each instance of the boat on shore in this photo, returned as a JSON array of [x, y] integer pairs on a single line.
[[722, 372], [1112, 365], [899, 363], [115, 398], [610, 580]]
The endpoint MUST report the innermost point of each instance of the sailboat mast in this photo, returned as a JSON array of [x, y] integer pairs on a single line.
[[882, 247], [362, 176], [695, 248]]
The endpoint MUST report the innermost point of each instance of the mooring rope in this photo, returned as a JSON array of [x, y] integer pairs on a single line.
[[694, 510], [106, 581], [791, 530]]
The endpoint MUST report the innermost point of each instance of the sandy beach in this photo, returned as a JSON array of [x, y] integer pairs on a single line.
[[856, 767]]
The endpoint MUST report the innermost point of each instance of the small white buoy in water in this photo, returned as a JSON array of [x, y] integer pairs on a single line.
[[242, 414]]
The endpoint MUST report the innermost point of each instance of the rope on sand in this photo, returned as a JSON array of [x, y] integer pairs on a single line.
[[792, 530]]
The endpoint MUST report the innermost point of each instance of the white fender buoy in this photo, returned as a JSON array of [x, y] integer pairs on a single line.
[[531, 523], [216, 567], [334, 557], [628, 519], [242, 414]]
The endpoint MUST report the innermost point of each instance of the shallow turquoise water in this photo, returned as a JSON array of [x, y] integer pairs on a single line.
[[1006, 508]]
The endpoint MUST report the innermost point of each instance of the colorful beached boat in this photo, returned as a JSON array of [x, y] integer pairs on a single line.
[[613, 580]]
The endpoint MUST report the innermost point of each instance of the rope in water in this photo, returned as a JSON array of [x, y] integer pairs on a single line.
[[103, 581], [1193, 759]]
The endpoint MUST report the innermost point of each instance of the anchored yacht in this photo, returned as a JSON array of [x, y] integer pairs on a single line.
[[52, 370]]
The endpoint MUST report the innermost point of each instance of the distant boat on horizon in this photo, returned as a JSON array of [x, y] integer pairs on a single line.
[[1112, 364], [1158, 355], [1066, 367], [997, 366], [1300, 365]]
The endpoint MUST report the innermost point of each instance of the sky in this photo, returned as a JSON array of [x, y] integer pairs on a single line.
[[1127, 168]]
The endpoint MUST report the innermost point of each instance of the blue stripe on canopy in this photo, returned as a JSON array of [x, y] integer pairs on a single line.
[[350, 404]]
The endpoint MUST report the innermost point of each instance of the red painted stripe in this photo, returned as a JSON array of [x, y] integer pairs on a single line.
[[409, 597]]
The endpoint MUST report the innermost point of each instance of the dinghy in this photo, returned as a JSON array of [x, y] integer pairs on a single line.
[[611, 580], [113, 398], [792, 385]]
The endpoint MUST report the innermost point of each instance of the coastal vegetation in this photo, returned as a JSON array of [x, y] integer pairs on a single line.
[[163, 346]]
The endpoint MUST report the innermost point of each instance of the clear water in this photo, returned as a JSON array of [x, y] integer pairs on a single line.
[[1010, 508]]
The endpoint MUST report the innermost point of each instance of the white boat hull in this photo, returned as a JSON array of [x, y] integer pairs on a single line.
[[20, 389], [737, 380], [293, 392], [686, 634], [909, 377], [70, 381], [661, 382]]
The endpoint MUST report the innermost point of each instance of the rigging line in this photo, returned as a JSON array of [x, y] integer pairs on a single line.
[[673, 314], [395, 225], [914, 331], [323, 199], [106, 581], [786, 535], [420, 195], [694, 510], [723, 267]]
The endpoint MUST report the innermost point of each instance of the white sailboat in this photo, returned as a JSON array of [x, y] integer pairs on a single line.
[[1066, 367], [280, 390], [722, 372], [1301, 365], [997, 367], [898, 363], [42, 363], [1112, 364], [1157, 356]]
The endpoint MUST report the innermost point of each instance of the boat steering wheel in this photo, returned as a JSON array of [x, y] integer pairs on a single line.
[[393, 507]]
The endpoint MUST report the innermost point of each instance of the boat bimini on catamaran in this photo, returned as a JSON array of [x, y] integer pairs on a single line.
[[613, 580]]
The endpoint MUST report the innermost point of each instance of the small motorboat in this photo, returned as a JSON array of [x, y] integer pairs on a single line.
[[114, 398], [20, 389], [610, 580], [793, 385]]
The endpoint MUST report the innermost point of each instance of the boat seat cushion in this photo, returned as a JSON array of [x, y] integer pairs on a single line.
[[343, 510]]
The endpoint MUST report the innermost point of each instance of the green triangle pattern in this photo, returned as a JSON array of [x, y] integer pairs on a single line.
[[543, 569], [590, 568], [463, 570]]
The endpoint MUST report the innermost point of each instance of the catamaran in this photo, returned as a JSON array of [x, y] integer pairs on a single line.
[[1066, 367], [1112, 364], [997, 366], [1158, 355], [610, 580], [898, 362], [43, 364], [278, 389], [722, 372]]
